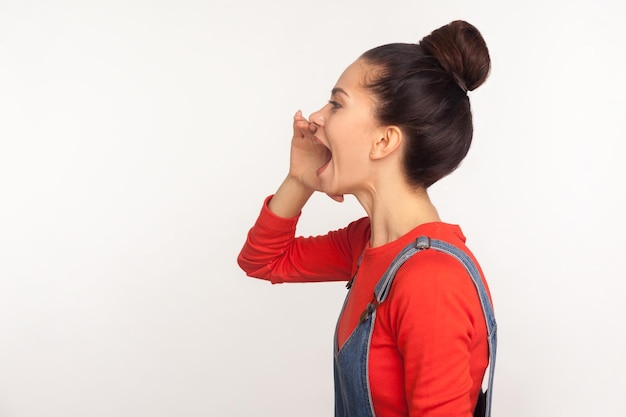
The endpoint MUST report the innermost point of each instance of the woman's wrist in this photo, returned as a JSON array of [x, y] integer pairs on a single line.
[[290, 198]]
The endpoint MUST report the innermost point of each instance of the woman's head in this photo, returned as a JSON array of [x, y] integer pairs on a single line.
[[422, 89]]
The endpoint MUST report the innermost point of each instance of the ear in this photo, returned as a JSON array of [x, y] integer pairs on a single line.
[[388, 142]]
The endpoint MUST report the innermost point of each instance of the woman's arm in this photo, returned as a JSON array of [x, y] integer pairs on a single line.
[[272, 251], [290, 198], [305, 158], [441, 335]]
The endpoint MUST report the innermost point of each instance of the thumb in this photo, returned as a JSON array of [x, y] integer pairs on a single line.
[[300, 124]]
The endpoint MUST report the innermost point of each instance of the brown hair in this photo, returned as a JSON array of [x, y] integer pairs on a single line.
[[422, 88]]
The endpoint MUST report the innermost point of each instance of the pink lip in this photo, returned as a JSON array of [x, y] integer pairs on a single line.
[[322, 168], [320, 143]]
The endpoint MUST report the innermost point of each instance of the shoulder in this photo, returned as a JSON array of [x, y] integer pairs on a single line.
[[433, 288], [430, 272]]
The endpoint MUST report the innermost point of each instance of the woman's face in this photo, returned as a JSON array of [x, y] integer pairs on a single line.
[[348, 128]]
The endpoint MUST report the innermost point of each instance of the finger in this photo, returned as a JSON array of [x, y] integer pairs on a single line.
[[300, 124], [299, 116], [302, 127]]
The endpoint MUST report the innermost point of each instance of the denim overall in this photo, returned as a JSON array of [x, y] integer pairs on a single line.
[[352, 391]]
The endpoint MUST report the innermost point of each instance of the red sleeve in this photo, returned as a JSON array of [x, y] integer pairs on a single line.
[[435, 312], [272, 251]]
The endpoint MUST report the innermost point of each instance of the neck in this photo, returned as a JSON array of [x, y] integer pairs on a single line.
[[395, 210]]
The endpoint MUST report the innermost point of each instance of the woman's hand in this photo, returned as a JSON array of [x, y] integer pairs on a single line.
[[307, 156]]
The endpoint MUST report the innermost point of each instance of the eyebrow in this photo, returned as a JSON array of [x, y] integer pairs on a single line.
[[337, 90]]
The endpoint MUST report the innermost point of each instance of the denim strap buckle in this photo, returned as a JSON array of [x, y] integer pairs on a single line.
[[422, 242]]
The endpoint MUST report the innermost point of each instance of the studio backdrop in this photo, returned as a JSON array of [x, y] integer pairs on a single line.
[[138, 140]]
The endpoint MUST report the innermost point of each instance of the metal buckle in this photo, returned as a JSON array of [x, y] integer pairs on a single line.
[[422, 242]]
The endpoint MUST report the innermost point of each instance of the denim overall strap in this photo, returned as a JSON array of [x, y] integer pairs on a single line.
[[424, 242], [352, 390], [350, 366]]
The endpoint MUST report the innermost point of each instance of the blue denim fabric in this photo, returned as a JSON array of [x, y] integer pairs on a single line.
[[353, 398], [352, 391]]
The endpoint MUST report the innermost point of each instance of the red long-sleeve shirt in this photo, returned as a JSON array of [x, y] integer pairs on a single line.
[[429, 346]]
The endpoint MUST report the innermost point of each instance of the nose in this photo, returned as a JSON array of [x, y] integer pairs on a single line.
[[317, 118]]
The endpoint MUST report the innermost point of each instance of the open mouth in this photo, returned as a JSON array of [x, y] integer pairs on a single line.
[[327, 157]]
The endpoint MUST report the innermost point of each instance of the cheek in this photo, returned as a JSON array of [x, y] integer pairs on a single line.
[[344, 129], [350, 132]]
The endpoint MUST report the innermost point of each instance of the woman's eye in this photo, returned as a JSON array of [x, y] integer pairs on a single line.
[[334, 104]]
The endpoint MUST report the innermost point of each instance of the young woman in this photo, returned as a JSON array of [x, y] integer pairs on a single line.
[[415, 334]]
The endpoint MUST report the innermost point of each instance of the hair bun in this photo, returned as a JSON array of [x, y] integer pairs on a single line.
[[461, 50]]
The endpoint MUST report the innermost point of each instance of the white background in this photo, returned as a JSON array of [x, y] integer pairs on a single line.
[[139, 138]]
